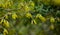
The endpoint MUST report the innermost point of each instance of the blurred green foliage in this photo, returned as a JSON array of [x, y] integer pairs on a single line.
[[29, 17]]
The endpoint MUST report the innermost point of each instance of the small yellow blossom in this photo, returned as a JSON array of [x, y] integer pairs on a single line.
[[32, 4], [1, 21], [52, 19], [28, 15], [43, 19], [14, 15], [6, 24], [5, 32], [34, 22], [26, 8]]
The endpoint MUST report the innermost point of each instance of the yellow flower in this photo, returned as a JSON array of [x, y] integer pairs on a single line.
[[37, 16], [6, 24], [43, 19], [34, 22], [28, 15], [52, 19], [26, 8], [1, 21], [8, 4], [14, 15], [5, 32], [32, 4]]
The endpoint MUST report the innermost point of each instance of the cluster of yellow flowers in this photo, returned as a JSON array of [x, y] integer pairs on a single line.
[[5, 3], [27, 6], [43, 19], [32, 5], [6, 24]]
